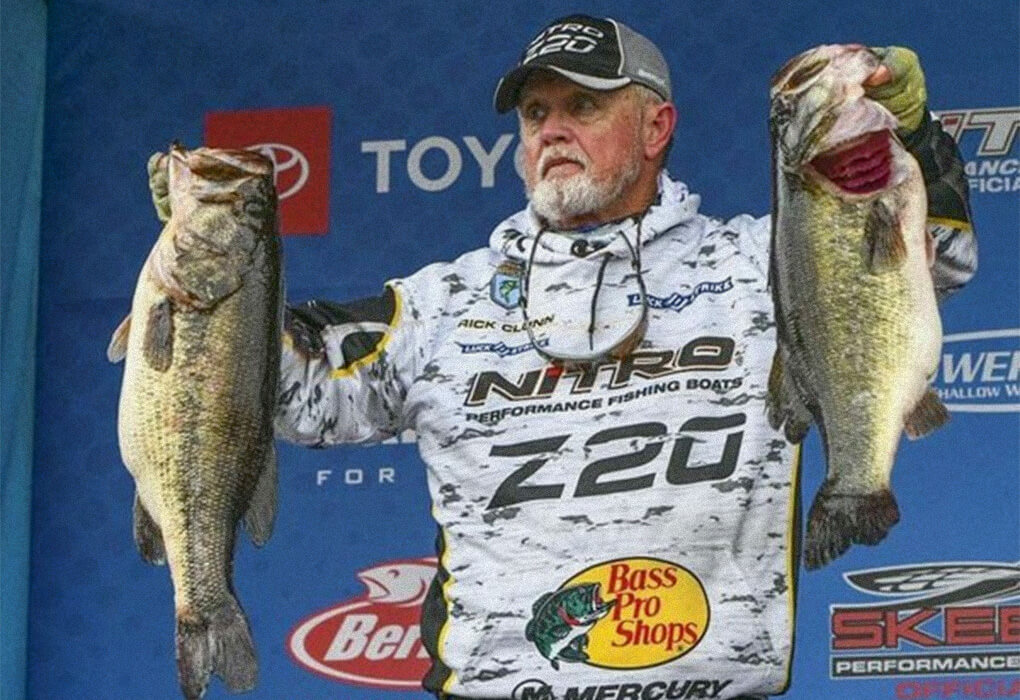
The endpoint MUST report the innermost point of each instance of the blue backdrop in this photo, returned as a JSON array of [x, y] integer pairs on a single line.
[[379, 117]]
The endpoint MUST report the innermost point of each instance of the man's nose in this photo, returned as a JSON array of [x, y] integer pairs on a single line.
[[556, 128]]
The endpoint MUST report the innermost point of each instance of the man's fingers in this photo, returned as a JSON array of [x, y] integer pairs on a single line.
[[898, 84], [879, 77]]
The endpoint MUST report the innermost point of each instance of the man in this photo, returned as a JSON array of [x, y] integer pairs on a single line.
[[614, 510]]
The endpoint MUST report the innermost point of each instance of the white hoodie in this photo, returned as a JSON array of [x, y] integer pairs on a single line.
[[628, 524]]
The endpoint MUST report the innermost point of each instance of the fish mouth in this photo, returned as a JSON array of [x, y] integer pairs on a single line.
[[860, 166]]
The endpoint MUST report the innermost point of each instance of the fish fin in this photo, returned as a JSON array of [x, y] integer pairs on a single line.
[[574, 651], [117, 348], [836, 521], [258, 521], [882, 230], [928, 415], [219, 643], [158, 343], [148, 536], [783, 404]]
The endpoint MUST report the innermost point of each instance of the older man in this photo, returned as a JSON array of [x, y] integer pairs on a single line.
[[616, 517]]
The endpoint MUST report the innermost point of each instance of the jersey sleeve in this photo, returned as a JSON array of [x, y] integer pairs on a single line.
[[949, 219], [346, 368], [949, 216]]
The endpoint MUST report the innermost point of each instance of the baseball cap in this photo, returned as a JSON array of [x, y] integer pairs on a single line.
[[598, 53]]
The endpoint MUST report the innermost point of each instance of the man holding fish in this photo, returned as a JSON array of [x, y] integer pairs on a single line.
[[610, 431], [608, 434]]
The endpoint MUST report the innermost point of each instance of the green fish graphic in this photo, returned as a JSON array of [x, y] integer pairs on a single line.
[[561, 621], [506, 287]]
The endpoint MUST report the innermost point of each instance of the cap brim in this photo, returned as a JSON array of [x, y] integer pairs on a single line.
[[508, 90]]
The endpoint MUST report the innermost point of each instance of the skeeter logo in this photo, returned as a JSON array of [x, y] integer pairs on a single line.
[[956, 613], [373, 640]]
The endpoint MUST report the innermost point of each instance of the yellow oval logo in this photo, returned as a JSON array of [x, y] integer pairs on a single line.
[[644, 612]]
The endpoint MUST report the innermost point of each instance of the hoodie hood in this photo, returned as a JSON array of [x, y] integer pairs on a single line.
[[586, 285], [515, 237]]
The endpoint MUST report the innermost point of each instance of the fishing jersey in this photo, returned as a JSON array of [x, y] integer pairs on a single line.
[[627, 523]]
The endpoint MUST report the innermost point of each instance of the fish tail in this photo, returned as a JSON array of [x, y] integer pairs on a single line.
[[838, 520], [218, 643]]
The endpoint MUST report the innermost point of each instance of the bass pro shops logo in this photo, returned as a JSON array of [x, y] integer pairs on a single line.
[[621, 614], [956, 613], [373, 640], [993, 164]]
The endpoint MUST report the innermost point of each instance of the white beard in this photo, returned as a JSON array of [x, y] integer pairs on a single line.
[[559, 199]]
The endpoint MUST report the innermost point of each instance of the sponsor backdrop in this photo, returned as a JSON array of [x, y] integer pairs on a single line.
[[389, 157]]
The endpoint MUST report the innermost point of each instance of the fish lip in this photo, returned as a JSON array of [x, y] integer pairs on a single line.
[[228, 164], [219, 164]]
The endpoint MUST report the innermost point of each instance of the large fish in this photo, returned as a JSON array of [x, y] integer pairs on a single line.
[[202, 359], [859, 333]]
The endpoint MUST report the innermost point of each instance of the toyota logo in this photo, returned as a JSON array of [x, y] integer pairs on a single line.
[[285, 160]]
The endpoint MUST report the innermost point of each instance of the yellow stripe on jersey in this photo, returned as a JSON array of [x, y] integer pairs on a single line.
[[341, 372]]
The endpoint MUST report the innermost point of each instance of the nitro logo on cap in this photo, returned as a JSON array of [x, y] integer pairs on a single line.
[[573, 37]]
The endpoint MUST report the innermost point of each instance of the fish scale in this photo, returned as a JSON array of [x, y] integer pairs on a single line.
[[858, 327], [201, 350]]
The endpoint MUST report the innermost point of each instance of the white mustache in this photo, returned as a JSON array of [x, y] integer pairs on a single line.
[[558, 152]]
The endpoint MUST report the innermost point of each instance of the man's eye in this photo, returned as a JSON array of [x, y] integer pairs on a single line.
[[585, 103], [533, 113]]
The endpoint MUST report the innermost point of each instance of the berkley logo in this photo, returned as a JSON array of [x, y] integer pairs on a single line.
[[621, 614], [980, 372], [373, 640], [952, 612]]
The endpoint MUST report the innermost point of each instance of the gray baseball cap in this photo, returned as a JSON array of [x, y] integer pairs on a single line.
[[601, 54]]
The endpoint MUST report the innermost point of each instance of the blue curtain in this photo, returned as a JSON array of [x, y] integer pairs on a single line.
[[23, 56]]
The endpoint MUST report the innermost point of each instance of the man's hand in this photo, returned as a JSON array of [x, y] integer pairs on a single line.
[[898, 85], [304, 324], [159, 185]]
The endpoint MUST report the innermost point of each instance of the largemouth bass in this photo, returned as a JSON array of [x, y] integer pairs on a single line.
[[202, 362], [561, 621], [858, 330]]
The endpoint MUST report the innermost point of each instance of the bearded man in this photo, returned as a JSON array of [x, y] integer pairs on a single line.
[[614, 510]]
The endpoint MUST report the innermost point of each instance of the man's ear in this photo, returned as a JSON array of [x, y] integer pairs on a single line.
[[660, 121]]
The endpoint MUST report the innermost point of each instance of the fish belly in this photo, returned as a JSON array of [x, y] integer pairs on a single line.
[[860, 344], [194, 436]]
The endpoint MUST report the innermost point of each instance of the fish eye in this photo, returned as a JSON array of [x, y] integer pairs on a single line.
[[805, 73]]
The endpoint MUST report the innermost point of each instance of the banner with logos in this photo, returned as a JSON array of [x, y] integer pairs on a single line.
[[389, 156]]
